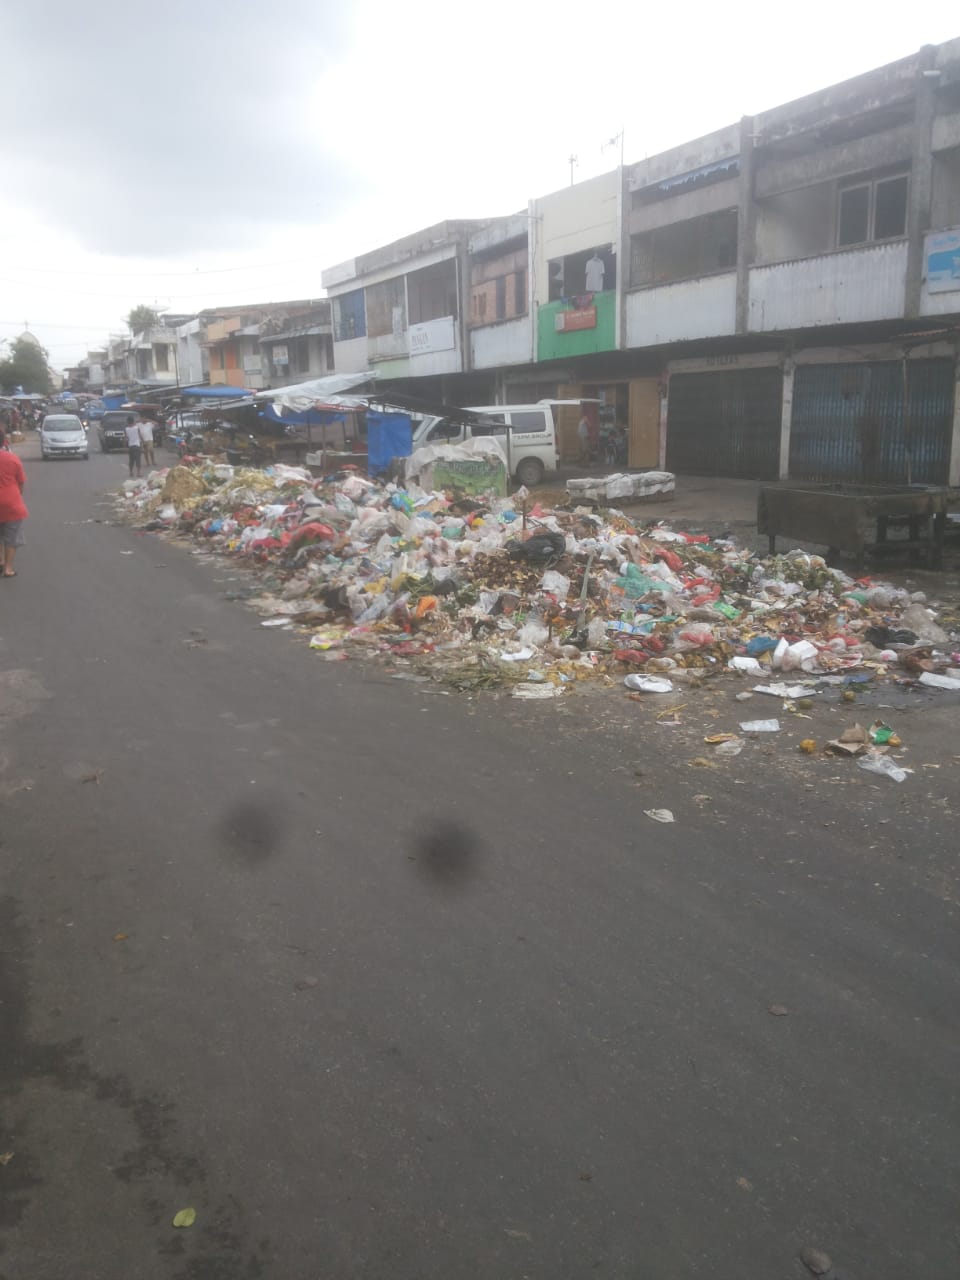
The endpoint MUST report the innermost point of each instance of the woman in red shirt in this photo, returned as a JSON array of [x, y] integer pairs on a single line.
[[13, 510]]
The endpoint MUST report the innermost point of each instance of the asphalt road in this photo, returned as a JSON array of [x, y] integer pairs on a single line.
[[391, 984]]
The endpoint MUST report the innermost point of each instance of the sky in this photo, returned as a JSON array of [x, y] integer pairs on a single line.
[[198, 153]]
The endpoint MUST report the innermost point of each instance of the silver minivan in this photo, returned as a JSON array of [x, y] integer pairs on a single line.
[[527, 432], [62, 435]]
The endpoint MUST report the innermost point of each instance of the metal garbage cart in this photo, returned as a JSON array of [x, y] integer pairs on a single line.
[[857, 519]]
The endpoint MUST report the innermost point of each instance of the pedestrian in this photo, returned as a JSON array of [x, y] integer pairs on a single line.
[[13, 510], [134, 443], [146, 436], [583, 435]]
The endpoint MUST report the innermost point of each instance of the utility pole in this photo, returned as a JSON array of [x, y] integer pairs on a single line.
[[572, 160]]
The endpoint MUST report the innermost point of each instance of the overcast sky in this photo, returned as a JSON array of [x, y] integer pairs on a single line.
[[196, 153]]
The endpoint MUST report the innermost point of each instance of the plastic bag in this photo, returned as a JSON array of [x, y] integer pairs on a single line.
[[648, 684], [556, 584], [874, 762]]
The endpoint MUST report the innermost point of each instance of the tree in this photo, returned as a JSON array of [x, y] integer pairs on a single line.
[[26, 366], [142, 318]]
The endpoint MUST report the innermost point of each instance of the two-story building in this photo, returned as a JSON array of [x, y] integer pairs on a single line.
[[232, 339], [404, 311], [296, 349], [778, 298]]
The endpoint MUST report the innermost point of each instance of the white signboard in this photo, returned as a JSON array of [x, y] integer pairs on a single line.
[[433, 335], [942, 261], [280, 355], [251, 364]]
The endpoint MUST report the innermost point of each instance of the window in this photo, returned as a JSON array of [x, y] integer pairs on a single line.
[[501, 297], [890, 208], [444, 430], [520, 292], [873, 211], [530, 420], [854, 215], [349, 318], [161, 359]]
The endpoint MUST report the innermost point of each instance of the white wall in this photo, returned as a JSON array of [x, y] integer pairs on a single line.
[[704, 308], [835, 288], [570, 221], [351, 356], [495, 345]]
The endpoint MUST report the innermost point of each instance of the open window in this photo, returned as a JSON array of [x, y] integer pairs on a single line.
[[872, 210], [592, 271]]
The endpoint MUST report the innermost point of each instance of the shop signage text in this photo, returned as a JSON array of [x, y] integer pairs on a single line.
[[580, 318]]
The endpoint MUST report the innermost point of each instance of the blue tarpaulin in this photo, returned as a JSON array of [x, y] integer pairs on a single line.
[[309, 418], [389, 436]]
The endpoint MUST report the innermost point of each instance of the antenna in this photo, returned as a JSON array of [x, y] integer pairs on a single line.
[[612, 142], [572, 160]]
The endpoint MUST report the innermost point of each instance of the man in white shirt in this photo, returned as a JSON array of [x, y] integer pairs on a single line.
[[134, 444], [146, 436]]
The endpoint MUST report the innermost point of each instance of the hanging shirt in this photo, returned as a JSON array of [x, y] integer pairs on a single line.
[[12, 480], [595, 273]]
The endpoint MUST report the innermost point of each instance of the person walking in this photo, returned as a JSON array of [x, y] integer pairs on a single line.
[[134, 444], [146, 437], [13, 509]]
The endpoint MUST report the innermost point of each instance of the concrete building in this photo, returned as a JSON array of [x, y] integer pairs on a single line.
[[297, 349], [231, 337], [403, 309], [780, 297]]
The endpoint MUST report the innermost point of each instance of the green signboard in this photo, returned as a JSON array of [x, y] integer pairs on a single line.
[[577, 327]]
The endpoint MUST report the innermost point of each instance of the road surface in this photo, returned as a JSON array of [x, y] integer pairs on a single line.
[[390, 984]]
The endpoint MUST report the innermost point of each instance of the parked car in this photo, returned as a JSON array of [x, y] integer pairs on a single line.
[[111, 429], [62, 436], [527, 432]]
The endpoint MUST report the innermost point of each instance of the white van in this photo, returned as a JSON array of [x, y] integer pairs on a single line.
[[530, 443]]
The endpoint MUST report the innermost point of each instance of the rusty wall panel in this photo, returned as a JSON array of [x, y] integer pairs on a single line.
[[725, 423], [849, 424]]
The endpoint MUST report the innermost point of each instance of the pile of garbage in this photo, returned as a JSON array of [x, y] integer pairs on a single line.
[[500, 591]]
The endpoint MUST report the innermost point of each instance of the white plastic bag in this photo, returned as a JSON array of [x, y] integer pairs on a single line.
[[874, 762], [648, 684]]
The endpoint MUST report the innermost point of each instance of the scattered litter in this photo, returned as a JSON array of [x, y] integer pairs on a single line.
[[93, 777], [648, 684], [749, 665], [883, 736], [732, 747], [120, 937], [782, 690], [185, 1218], [537, 691], [6, 1157], [467, 587], [875, 762], [852, 742], [808, 746], [778, 1010], [660, 815], [126, 553], [760, 726], [934, 681]]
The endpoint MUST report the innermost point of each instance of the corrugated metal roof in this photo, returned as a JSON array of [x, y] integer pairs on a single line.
[[305, 331]]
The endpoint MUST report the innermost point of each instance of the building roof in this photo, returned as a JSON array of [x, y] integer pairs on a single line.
[[302, 331]]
